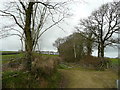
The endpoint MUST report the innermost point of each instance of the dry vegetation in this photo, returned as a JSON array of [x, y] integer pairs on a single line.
[[95, 63]]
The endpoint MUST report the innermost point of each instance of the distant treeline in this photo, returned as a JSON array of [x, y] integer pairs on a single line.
[[9, 53]]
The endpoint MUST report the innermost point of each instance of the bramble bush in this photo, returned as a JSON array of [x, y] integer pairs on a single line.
[[95, 63]]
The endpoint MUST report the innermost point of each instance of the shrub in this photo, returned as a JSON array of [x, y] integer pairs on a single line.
[[14, 63], [43, 75], [95, 63], [45, 70], [44, 66], [115, 64]]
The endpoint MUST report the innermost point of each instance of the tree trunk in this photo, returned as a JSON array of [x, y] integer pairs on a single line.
[[102, 49], [21, 45], [28, 36], [89, 45], [99, 53], [74, 51], [102, 56], [89, 48]]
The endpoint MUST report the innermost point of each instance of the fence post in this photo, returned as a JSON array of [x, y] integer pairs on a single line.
[[118, 84]]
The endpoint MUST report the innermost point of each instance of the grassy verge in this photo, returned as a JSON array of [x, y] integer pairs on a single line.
[[72, 66], [19, 79], [54, 80]]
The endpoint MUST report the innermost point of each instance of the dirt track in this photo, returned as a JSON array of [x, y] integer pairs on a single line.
[[76, 78]]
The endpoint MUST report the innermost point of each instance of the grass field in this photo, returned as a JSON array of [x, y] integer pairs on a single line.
[[115, 61], [7, 51], [6, 58]]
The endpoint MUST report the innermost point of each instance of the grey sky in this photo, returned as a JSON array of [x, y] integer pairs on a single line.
[[80, 9]]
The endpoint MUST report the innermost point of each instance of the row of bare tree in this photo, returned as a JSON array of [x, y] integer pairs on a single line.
[[103, 25], [99, 30]]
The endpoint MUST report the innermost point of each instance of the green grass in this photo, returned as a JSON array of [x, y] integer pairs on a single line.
[[115, 61], [53, 80], [6, 58], [8, 51], [22, 80], [71, 66], [62, 66]]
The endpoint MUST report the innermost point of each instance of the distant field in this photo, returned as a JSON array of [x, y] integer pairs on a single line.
[[6, 58], [115, 61], [7, 51]]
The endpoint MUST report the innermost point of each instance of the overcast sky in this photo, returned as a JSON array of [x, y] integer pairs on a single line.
[[80, 9]]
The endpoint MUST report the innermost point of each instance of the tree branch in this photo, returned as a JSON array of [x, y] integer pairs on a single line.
[[9, 14], [23, 6], [51, 26]]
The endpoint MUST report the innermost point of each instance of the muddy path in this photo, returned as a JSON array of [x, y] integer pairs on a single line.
[[77, 78]]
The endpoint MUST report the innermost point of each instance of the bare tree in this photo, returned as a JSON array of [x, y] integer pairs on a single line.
[[104, 23], [31, 18], [107, 24]]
